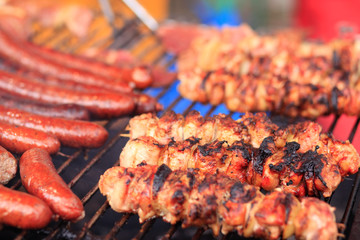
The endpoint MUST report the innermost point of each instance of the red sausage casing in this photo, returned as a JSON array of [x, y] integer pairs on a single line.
[[13, 50], [39, 177], [101, 104], [68, 111], [22, 210], [20, 139], [73, 133], [139, 75]]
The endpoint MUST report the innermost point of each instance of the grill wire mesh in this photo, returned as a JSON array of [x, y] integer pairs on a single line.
[[81, 168]]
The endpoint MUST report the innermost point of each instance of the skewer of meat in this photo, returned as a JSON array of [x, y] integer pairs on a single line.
[[251, 128], [270, 93], [295, 171], [73, 133], [15, 52], [272, 73], [215, 201], [68, 111], [100, 104], [140, 75]]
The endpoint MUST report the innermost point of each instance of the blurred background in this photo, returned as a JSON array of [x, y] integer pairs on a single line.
[[321, 19]]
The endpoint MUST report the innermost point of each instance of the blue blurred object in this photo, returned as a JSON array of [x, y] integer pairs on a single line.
[[218, 12]]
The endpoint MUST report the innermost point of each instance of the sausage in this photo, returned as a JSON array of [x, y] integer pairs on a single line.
[[19, 139], [22, 210], [72, 133], [68, 111], [8, 166], [143, 103], [138, 75], [14, 51], [39, 177], [101, 104]]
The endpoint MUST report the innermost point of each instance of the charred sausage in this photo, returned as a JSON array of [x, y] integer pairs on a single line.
[[101, 104], [8, 166], [19, 139], [139, 75], [23, 210], [39, 177], [72, 133], [68, 111], [15, 52]]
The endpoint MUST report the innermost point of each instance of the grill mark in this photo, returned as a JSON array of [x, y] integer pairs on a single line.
[[243, 148], [238, 194], [159, 179], [208, 149], [263, 153], [178, 197]]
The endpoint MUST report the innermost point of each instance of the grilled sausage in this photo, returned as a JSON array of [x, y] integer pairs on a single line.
[[19, 139], [8, 166], [68, 111], [39, 177], [73, 133], [17, 53], [23, 210], [139, 75], [100, 104]]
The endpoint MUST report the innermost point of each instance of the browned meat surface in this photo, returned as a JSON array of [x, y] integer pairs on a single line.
[[281, 73], [216, 201], [290, 167], [299, 159], [171, 125]]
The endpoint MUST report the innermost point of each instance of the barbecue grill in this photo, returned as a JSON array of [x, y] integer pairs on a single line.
[[81, 168]]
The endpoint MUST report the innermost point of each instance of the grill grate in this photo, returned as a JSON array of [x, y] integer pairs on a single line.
[[81, 168]]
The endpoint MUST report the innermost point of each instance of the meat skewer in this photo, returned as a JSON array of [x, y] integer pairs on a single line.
[[252, 128], [298, 158], [269, 93], [68, 111], [14, 51], [216, 201], [73, 133], [301, 173], [280, 73]]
